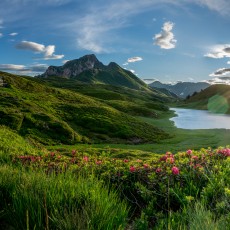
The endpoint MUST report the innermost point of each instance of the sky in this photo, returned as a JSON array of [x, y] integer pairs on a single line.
[[165, 40]]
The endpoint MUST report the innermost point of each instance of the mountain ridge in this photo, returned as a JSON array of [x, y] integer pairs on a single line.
[[181, 89], [89, 69]]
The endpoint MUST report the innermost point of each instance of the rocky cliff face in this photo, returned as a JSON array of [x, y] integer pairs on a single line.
[[75, 67]]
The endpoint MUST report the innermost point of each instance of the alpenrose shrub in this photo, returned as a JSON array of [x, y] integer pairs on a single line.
[[156, 186]]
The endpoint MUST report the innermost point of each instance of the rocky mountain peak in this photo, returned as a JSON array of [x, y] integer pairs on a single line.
[[74, 67]]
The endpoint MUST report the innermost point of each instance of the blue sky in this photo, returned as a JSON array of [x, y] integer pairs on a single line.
[[167, 40]]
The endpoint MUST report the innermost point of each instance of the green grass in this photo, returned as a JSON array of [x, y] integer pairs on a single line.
[[215, 98], [96, 189], [33, 200], [51, 115], [181, 140]]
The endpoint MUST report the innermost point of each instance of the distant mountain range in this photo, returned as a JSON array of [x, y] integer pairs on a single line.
[[181, 89], [88, 69]]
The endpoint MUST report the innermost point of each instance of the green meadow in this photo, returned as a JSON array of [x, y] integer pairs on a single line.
[[82, 156]]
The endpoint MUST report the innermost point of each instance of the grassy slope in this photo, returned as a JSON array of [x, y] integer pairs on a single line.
[[182, 139], [145, 102], [215, 98], [51, 115]]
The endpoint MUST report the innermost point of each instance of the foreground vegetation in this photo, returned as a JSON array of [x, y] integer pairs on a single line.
[[81, 189], [99, 179]]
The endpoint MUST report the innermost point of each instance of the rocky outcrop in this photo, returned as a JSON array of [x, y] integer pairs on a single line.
[[75, 67]]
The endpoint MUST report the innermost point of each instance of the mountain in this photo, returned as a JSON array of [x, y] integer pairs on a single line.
[[43, 113], [88, 69], [181, 89], [215, 98]]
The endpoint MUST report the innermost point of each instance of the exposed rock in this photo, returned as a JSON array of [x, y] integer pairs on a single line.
[[75, 67]]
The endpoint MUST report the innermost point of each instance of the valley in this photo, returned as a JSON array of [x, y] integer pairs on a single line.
[[113, 145]]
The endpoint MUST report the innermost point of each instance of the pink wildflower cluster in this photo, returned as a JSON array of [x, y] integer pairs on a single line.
[[28, 159], [224, 152], [175, 170], [169, 158]]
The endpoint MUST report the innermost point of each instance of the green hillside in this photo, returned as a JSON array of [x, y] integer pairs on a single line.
[[215, 98], [145, 102], [51, 115]]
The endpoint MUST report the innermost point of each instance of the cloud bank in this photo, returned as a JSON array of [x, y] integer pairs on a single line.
[[47, 51], [32, 69], [220, 72], [165, 39], [219, 51]]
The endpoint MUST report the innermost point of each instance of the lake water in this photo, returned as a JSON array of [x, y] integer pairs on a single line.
[[200, 119]]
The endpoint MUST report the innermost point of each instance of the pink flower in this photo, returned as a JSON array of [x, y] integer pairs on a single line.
[[195, 158], [164, 158], [132, 169], [189, 152], [175, 170], [85, 158], [145, 166], [158, 170], [59, 157], [125, 160], [74, 152], [170, 160], [224, 152], [98, 162]]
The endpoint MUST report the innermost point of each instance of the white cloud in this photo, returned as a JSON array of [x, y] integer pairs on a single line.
[[126, 63], [1, 35], [219, 51], [47, 51], [132, 71], [149, 80], [228, 62], [220, 6], [32, 46], [134, 59], [64, 61], [30, 69], [219, 80], [220, 72], [165, 39], [13, 34], [97, 28], [12, 67], [40, 68]]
